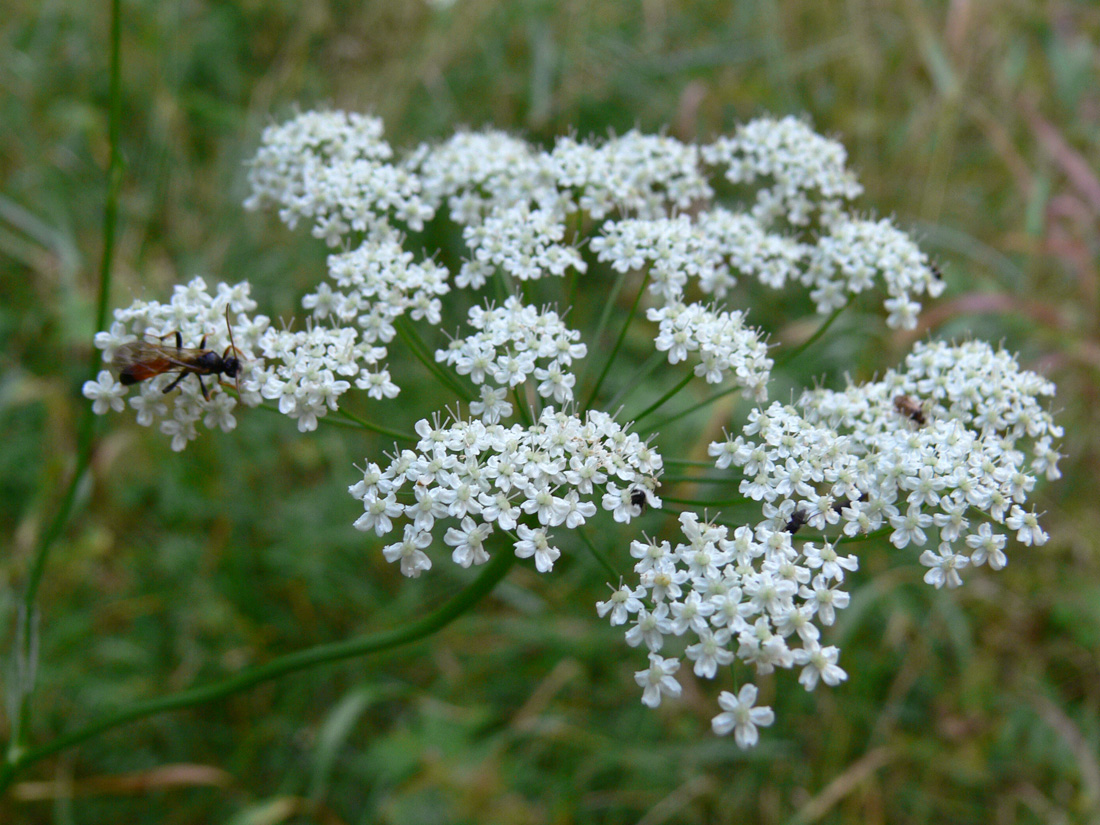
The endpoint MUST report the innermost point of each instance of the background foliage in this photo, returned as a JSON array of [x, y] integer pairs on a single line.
[[975, 124]]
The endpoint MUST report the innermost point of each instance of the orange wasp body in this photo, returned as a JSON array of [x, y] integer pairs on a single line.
[[141, 360]]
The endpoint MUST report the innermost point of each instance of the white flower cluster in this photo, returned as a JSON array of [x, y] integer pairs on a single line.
[[304, 368], [643, 175], [522, 242], [744, 245], [510, 342], [725, 345], [141, 346], [335, 170], [672, 248], [377, 283], [754, 597], [940, 456], [332, 169], [476, 172], [524, 479], [304, 371], [797, 160], [944, 445], [854, 253]]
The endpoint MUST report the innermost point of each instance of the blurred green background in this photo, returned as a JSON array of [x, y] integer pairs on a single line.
[[975, 124]]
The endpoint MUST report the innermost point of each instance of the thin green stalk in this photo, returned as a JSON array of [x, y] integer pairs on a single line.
[[657, 404], [490, 575], [420, 349], [26, 641], [571, 287], [521, 407], [618, 341], [695, 479], [601, 326], [693, 502], [374, 428], [599, 556], [809, 342], [664, 422], [352, 421], [634, 383]]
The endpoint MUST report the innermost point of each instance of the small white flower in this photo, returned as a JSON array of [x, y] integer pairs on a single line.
[[622, 604], [657, 680], [944, 567], [534, 542], [410, 552], [106, 392], [819, 663], [740, 716]]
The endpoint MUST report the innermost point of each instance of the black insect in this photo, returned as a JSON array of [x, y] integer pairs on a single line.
[[142, 360]]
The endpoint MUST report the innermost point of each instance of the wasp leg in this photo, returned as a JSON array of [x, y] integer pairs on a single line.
[[175, 383], [179, 340], [202, 386]]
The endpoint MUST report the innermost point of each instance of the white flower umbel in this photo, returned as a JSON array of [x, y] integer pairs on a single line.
[[804, 173], [724, 344], [144, 337], [513, 343], [938, 458], [486, 477], [333, 169], [859, 461]]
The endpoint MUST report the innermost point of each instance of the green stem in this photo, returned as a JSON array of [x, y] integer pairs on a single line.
[[353, 422], [374, 428], [601, 327], [420, 349], [600, 556], [618, 341], [634, 383], [695, 479], [27, 639], [412, 631], [521, 407], [731, 502], [664, 422], [809, 342], [657, 404]]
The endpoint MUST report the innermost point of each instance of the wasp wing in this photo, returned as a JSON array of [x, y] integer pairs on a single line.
[[142, 360]]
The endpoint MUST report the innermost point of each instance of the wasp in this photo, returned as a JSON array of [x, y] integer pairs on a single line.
[[142, 360], [910, 408]]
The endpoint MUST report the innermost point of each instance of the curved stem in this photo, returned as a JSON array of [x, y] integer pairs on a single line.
[[480, 587], [618, 341], [601, 325], [634, 383], [26, 639], [694, 502], [809, 342], [660, 425], [416, 345], [600, 556], [660, 401], [374, 428]]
